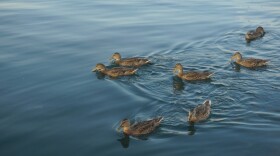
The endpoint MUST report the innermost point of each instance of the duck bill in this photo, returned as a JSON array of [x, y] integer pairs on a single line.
[[112, 59], [175, 71], [207, 102], [228, 62], [232, 59], [119, 129], [94, 70]]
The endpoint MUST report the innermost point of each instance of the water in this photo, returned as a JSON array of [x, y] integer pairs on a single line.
[[52, 104]]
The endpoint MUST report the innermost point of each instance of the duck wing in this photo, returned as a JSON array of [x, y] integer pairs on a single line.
[[201, 112], [251, 32], [136, 61], [145, 127], [197, 75], [252, 62], [252, 35], [121, 71]]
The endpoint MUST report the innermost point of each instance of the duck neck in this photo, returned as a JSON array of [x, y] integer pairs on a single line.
[[239, 59], [192, 118], [189, 117], [126, 130], [117, 61], [104, 71], [180, 72]]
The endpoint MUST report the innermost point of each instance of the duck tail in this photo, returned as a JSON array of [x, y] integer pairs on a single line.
[[148, 62], [135, 70], [159, 119], [266, 62], [207, 102], [210, 74]]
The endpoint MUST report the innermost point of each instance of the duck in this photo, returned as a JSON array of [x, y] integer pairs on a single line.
[[114, 72], [140, 128], [200, 112], [190, 76], [129, 62], [252, 35], [250, 62]]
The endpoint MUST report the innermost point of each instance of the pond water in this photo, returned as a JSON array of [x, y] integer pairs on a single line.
[[52, 104]]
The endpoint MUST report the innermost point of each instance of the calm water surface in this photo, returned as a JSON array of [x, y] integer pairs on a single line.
[[52, 104]]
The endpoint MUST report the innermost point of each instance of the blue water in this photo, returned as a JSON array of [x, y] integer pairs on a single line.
[[52, 104]]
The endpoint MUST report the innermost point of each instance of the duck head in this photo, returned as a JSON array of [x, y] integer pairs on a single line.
[[236, 56], [249, 35], [125, 125], [260, 30], [99, 67], [116, 57], [178, 69]]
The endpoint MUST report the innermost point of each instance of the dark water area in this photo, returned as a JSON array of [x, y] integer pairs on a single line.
[[52, 104]]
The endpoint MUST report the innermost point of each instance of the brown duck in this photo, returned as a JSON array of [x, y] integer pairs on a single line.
[[200, 112], [178, 69], [250, 62], [252, 35], [129, 62], [140, 128], [114, 72]]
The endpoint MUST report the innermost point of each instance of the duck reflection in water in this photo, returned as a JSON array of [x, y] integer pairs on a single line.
[[191, 128], [236, 67], [124, 141], [178, 84], [100, 76]]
